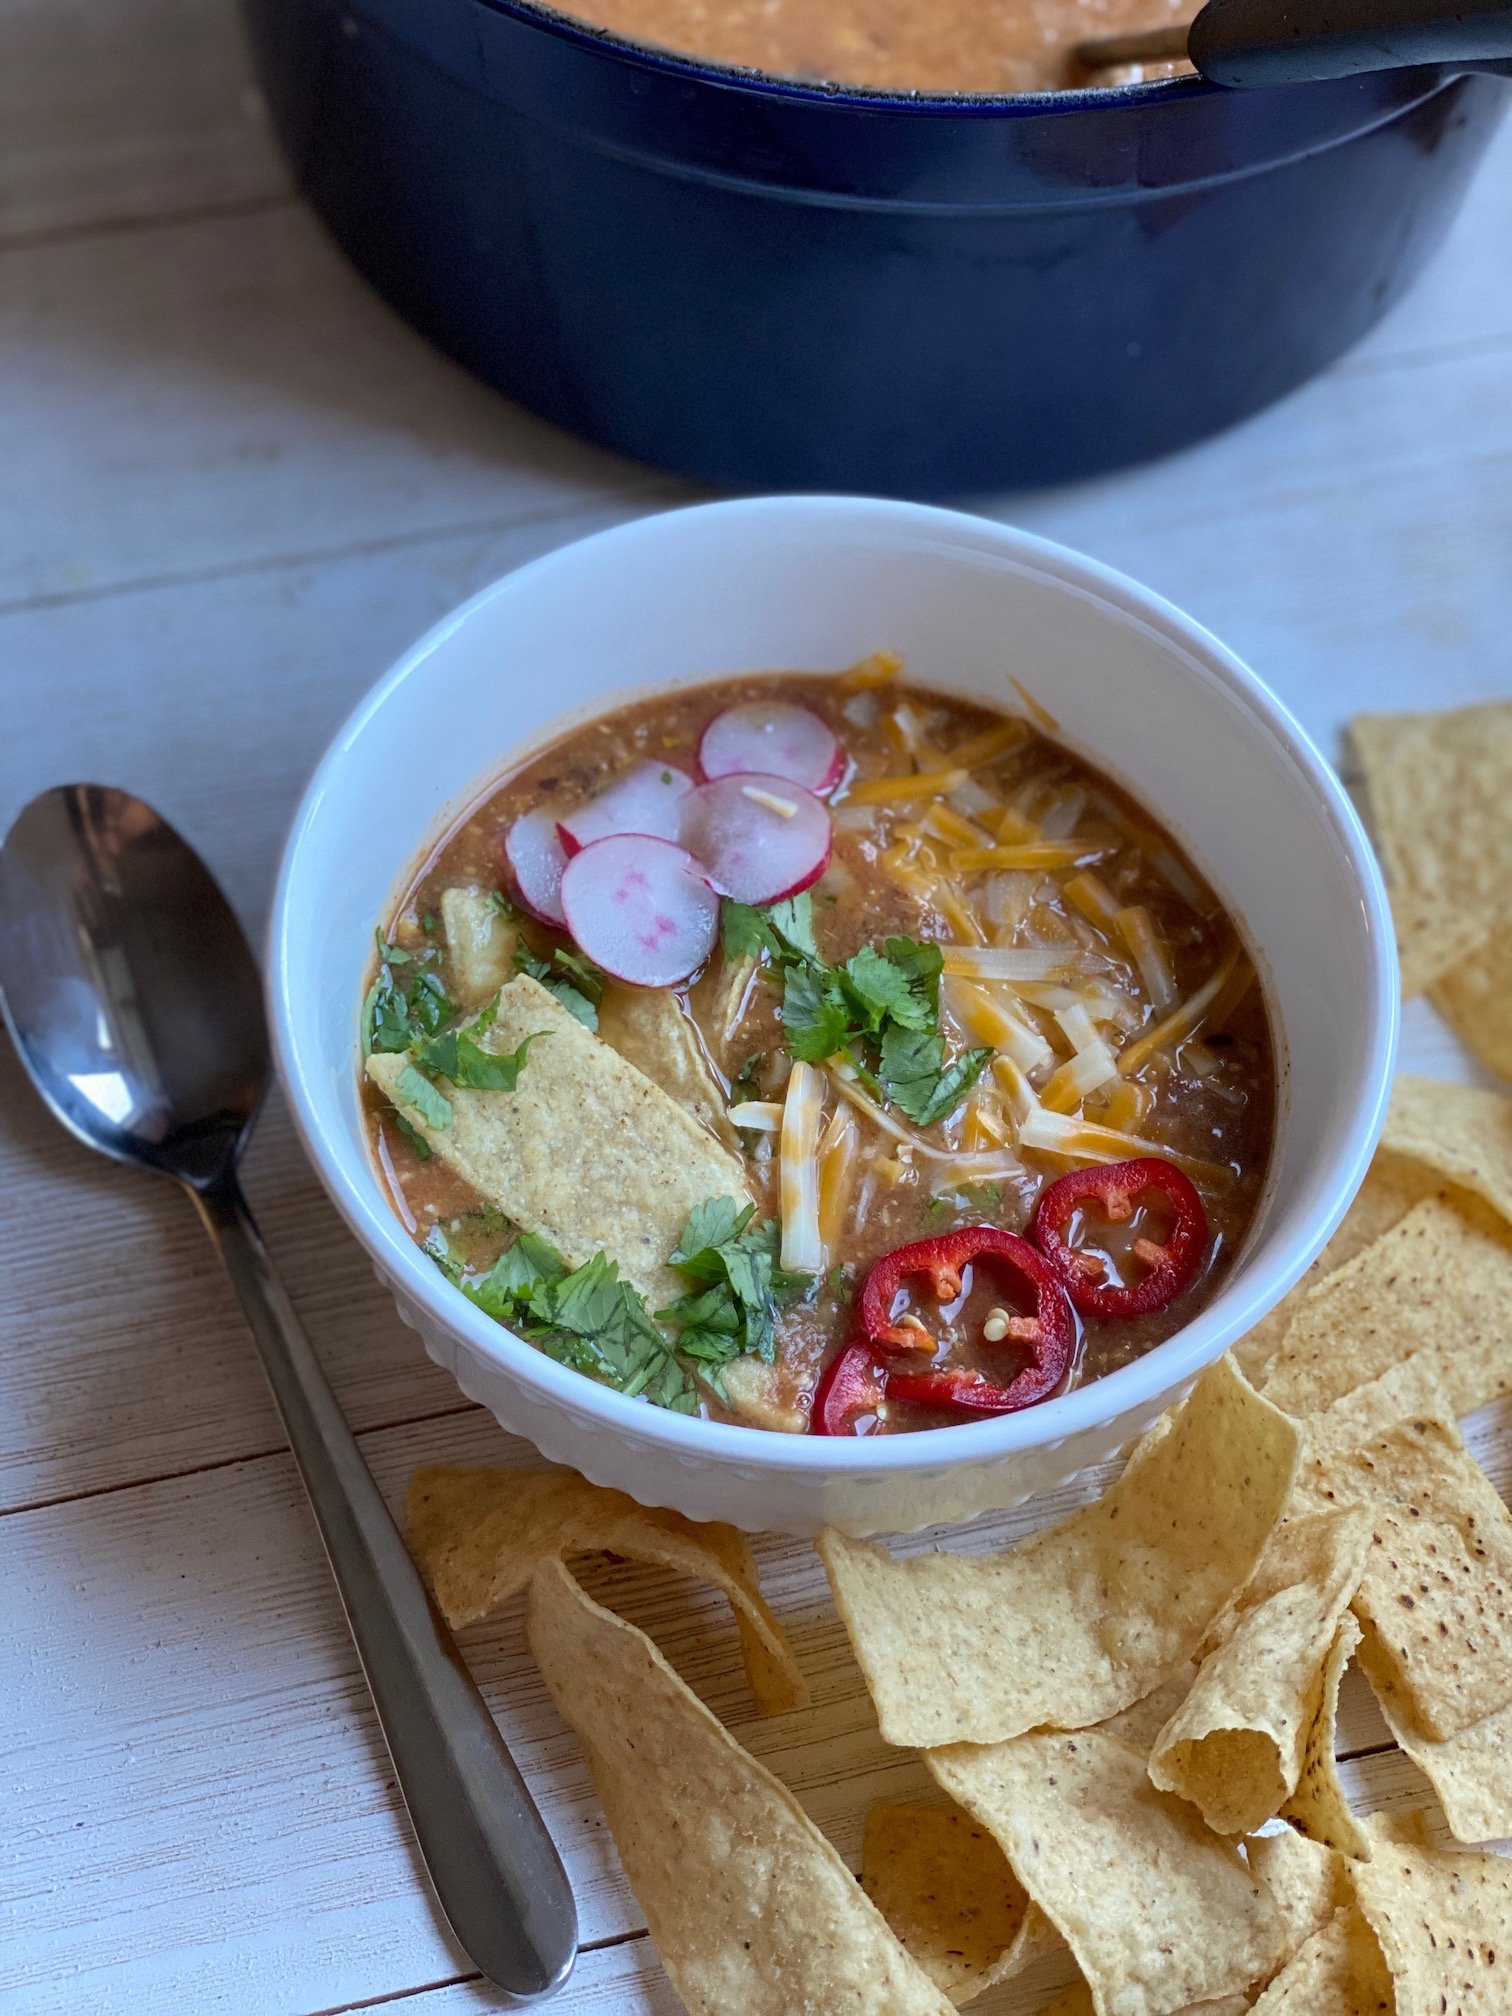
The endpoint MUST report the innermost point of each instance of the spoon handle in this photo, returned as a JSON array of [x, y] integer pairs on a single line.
[[496, 1873]]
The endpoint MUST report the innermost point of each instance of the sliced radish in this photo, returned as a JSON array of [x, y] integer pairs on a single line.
[[760, 837], [773, 738], [640, 908], [537, 856], [646, 799]]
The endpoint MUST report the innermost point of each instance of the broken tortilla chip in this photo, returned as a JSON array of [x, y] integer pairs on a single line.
[[1437, 1587], [479, 1536], [749, 1905], [946, 1888], [1338, 1971], [1440, 1281], [1412, 1388], [1077, 2001], [480, 944], [1318, 1806], [1471, 1772], [1235, 1745], [1306, 1879], [1455, 1131], [1444, 1922], [1086, 1618], [648, 1027], [1431, 939], [1158, 1911]]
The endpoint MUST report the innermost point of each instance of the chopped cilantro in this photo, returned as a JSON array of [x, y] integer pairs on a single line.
[[415, 1138], [816, 1019], [389, 955], [746, 1084], [457, 1054], [730, 1265], [576, 982], [434, 1108], [428, 921], [394, 1017], [983, 1200], [916, 1078]]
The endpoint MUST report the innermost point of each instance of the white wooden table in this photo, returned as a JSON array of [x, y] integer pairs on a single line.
[[232, 487]]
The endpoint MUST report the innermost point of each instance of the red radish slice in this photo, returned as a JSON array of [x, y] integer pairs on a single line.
[[646, 799], [760, 837], [640, 908], [773, 738], [537, 856]]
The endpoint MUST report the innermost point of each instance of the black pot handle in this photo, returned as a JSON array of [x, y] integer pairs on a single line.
[[1248, 43]]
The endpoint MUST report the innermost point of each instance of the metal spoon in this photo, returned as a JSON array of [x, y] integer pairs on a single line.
[[134, 1002], [1243, 44]]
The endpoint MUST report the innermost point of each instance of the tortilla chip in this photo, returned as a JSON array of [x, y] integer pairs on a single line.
[[1139, 1724], [1444, 1922], [1407, 1391], [1157, 1910], [585, 1151], [1339, 1971], [1437, 1588], [1471, 1773], [1235, 1745], [1306, 1879], [1077, 2001], [1440, 1281], [1318, 1806], [479, 1536], [750, 1907], [647, 1026], [480, 945], [1087, 1617], [1455, 1131], [1476, 1000], [757, 1393], [1391, 1187], [946, 1889], [1440, 805], [1431, 939]]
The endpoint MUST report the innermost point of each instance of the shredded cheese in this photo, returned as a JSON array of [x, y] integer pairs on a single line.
[[785, 808], [1085, 1141], [762, 1116], [1006, 962], [1185, 1021], [837, 1168], [979, 750], [1077, 1026], [1042, 854], [958, 913], [1058, 820], [1088, 1069], [1095, 900], [880, 669], [988, 1021], [946, 824], [925, 784], [802, 1247], [1022, 1102], [1127, 1104], [1138, 932]]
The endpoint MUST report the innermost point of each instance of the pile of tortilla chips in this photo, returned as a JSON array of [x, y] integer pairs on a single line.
[[1130, 1716], [1439, 800]]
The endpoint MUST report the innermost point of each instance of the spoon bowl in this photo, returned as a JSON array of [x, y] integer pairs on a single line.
[[128, 985]]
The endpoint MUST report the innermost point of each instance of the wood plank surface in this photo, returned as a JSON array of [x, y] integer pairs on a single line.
[[233, 486]]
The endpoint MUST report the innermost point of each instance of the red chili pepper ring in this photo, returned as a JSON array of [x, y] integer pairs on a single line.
[[1111, 1192]]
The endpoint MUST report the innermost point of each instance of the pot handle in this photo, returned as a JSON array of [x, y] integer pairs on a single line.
[[1247, 43]]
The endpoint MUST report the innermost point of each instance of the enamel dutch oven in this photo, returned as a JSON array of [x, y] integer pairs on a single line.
[[760, 283]]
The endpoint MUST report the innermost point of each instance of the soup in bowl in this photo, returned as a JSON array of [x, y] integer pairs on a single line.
[[864, 1093]]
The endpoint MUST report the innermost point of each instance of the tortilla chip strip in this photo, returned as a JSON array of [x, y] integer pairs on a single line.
[[1339, 1971], [1235, 1746], [479, 1536], [1437, 1587], [1444, 1922], [585, 1151], [750, 1907], [946, 1889], [1391, 1187], [1307, 1880], [1158, 1911], [1471, 1772], [1456, 1131], [1440, 1281], [647, 1026], [1318, 1805], [1087, 1617], [480, 945]]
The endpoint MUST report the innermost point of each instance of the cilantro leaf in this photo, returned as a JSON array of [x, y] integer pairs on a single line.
[[576, 983], [460, 1057], [434, 1108], [815, 1018], [917, 1079], [923, 964], [784, 930], [793, 922], [883, 990], [744, 932], [415, 1138]]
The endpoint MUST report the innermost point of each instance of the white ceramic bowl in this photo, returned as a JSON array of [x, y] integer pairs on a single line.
[[816, 583]]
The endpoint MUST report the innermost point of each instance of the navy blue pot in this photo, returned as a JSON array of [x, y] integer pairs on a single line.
[[766, 285]]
